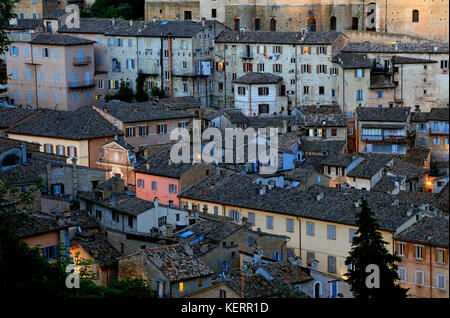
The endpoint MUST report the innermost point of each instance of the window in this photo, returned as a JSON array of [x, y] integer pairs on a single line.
[[273, 24], [248, 67], [15, 74], [440, 281], [289, 225], [352, 234], [14, 51], [98, 214], [130, 221], [263, 91], [440, 256], [359, 95], [402, 274], [129, 131], [28, 75], [181, 285], [305, 90], [60, 150], [277, 49], [74, 96], [310, 256], [415, 16], [277, 68], [331, 232], [321, 90], [269, 222], [154, 185], [223, 294], [333, 23], [310, 228], [419, 249], [250, 241], [359, 73], [216, 210], [213, 13], [161, 129], [321, 69], [48, 148], [331, 264], [401, 249], [260, 67], [334, 71], [234, 215], [140, 183], [444, 64], [172, 188], [251, 218], [45, 52], [50, 252], [130, 64], [418, 277], [29, 96], [187, 15], [306, 50], [72, 152], [436, 141], [241, 90]]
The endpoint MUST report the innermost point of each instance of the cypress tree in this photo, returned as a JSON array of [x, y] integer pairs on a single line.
[[369, 248]]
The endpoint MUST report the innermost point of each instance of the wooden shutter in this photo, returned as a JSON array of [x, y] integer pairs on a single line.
[[257, 49], [281, 49], [363, 72], [273, 68], [281, 67], [165, 128], [243, 67], [126, 132], [157, 129], [317, 50], [309, 68], [146, 130], [75, 151], [356, 71], [51, 149], [324, 50], [134, 131], [251, 67], [317, 69], [325, 69]]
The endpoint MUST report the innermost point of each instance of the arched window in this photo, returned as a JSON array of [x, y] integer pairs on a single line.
[[415, 16], [312, 24], [333, 23], [317, 289], [355, 22], [236, 23], [257, 24], [273, 24]]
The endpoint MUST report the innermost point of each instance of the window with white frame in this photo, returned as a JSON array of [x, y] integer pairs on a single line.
[[441, 280], [418, 277], [234, 215], [401, 249], [140, 183], [402, 274], [440, 255], [172, 188], [419, 249]]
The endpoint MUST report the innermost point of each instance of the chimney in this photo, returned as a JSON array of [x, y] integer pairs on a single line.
[[177, 17], [113, 21], [203, 21], [113, 199], [156, 215], [262, 191], [74, 179], [188, 250], [314, 264], [131, 22], [320, 196], [147, 165], [155, 19], [170, 204], [23, 152]]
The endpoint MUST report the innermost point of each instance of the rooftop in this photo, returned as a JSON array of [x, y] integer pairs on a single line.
[[36, 223], [83, 123], [98, 247], [438, 114], [428, 230], [335, 206], [352, 60], [370, 166], [176, 264], [402, 47], [383, 114], [10, 116], [288, 141], [58, 39], [410, 60], [323, 146], [139, 112], [339, 160], [89, 25], [258, 78], [276, 37], [380, 81]]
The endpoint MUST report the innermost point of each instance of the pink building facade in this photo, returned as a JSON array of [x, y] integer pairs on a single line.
[[52, 71], [149, 187]]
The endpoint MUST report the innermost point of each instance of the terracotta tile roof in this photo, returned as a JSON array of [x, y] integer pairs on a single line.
[[439, 114], [276, 37], [380, 81], [410, 60], [428, 230], [352, 60], [288, 141], [339, 160], [10, 116], [81, 124], [381, 114], [386, 184], [403, 47], [58, 39], [328, 146], [158, 164], [23, 24], [298, 174], [258, 78], [36, 223], [419, 117], [417, 156], [235, 116], [289, 273], [176, 264], [370, 166], [89, 25], [404, 168], [335, 206], [98, 247], [125, 203], [255, 286], [140, 112]]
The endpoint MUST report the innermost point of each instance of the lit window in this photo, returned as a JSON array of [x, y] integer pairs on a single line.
[[181, 287]]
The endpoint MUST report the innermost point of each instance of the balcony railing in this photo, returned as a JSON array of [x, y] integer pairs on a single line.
[[82, 60], [438, 131], [369, 137], [81, 84], [393, 137]]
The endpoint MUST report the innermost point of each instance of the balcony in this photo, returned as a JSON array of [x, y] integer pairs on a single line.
[[394, 138], [371, 138], [82, 60], [81, 84], [246, 56], [438, 131]]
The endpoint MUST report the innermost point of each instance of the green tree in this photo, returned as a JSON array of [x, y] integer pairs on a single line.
[[121, 9], [141, 93], [124, 94], [6, 13], [157, 92], [369, 248]]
